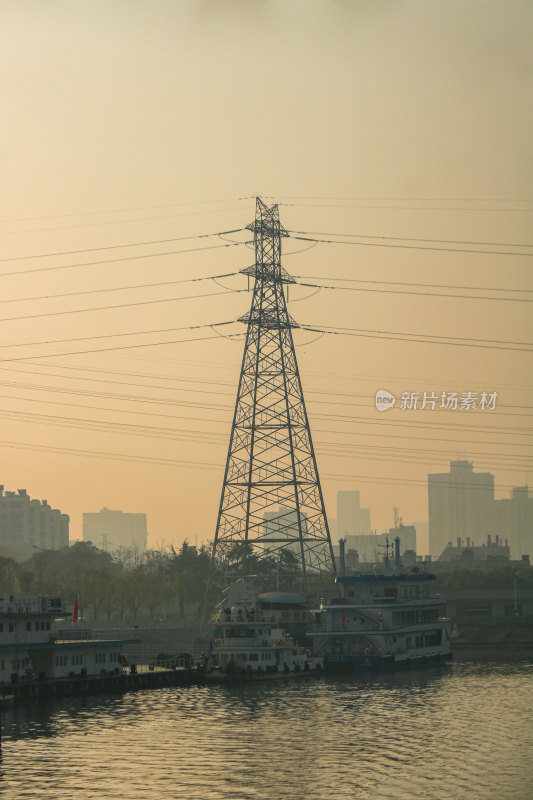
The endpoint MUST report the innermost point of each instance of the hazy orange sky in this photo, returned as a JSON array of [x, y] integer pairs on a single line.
[[132, 122]]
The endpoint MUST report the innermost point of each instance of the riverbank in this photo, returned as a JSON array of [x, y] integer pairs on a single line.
[[103, 684], [499, 639]]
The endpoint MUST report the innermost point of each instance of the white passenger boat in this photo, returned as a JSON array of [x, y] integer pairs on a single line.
[[382, 621], [250, 644]]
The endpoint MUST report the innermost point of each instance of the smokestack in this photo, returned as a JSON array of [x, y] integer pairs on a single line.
[[397, 553], [342, 562]]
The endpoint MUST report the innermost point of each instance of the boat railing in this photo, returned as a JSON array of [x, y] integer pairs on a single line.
[[247, 642]]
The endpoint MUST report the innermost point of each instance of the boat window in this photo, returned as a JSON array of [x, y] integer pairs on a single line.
[[253, 657]]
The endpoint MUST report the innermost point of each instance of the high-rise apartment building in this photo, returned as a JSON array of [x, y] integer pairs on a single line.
[[28, 525], [112, 529], [461, 505], [351, 518]]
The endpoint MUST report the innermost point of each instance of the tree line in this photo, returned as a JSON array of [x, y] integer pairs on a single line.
[[129, 586], [169, 585]]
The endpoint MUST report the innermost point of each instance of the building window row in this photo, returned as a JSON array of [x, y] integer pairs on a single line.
[[428, 639], [413, 617], [39, 626]]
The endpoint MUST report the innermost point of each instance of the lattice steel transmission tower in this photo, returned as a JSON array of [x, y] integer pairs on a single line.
[[271, 495]]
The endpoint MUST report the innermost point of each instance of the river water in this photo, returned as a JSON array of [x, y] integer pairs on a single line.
[[463, 732]]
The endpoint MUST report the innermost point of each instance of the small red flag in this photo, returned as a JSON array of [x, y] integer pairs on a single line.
[[76, 610]]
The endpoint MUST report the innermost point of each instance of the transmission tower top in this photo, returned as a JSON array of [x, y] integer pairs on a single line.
[[268, 232]]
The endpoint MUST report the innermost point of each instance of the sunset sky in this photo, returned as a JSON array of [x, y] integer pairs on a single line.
[[129, 128]]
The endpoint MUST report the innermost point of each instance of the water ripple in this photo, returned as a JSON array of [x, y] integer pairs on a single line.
[[459, 734]]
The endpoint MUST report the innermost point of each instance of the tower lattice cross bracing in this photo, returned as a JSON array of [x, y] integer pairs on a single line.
[[271, 495]]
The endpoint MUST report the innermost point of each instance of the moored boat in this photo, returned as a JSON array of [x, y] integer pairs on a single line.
[[382, 621], [249, 644]]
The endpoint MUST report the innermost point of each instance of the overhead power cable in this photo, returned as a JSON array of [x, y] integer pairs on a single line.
[[210, 383], [132, 458], [405, 199], [123, 347], [412, 283], [119, 221], [403, 336], [415, 294], [211, 420], [223, 436], [104, 336], [216, 439], [409, 239], [121, 288], [174, 379], [407, 208], [411, 246], [344, 418], [119, 246], [122, 305], [127, 210], [117, 260]]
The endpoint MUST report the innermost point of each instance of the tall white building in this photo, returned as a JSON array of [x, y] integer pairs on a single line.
[[111, 530], [28, 525], [351, 518], [461, 505]]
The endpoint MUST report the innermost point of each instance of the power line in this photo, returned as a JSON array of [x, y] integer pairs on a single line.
[[213, 438], [121, 305], [407, 199], [204, 420], [112, 456], [121, 288], [122, 347], [413, 247], [409, 239], [416, 294], [211, 364], [401, 336], [117, 260], [206, 465], [118, 246], [110, 336], [124, 210], [191, 380], [405, 208], [423, 425], [333, 446], [118, 221], [411, 283]]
